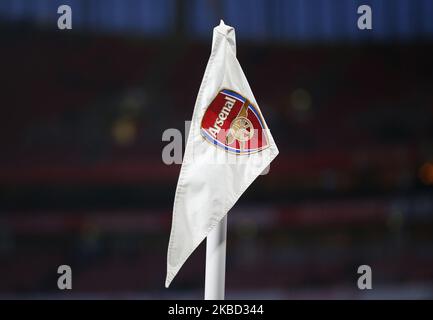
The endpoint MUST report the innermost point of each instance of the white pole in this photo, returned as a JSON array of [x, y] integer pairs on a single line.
[[216, 262]]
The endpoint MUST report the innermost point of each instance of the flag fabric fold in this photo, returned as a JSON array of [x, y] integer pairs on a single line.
[[228, 147]]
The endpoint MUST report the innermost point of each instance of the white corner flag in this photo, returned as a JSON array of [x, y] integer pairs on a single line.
[[229, 145]]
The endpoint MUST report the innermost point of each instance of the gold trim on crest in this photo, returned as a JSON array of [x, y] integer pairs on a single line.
[[238, 130]]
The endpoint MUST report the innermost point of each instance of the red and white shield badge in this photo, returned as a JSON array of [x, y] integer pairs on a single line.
[[233, 123]]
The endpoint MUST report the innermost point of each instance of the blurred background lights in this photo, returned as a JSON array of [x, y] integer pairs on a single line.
[[300, 104], [124, 131], [300, 100], [426, 173]]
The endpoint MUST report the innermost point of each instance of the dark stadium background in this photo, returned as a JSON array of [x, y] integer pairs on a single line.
[[82, 180]]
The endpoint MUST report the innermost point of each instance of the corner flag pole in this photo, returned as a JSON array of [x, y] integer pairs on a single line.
[[216, 262]]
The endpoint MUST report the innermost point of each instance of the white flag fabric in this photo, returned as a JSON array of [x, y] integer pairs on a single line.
[[228, 147]]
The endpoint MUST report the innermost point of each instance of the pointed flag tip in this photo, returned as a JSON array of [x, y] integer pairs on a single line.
[[223, 28], [168, 280]]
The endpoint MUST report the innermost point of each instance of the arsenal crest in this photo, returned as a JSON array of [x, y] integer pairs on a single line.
[[233, 123]]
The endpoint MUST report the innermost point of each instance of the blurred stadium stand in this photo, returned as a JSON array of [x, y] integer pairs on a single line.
[[81, 176], [274, 20]]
